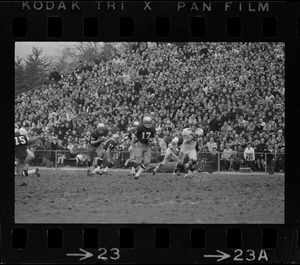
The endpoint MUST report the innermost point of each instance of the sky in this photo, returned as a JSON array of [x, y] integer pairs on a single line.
[[22, 49]]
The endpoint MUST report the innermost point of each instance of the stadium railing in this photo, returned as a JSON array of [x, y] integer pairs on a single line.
[[207, 162]]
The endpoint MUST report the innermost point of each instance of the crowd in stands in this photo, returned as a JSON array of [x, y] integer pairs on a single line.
[[235, 91]]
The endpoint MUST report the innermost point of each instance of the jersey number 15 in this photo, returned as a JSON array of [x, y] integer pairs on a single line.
[[20, 140]]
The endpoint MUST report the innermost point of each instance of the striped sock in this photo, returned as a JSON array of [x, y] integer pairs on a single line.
[[141, 169]]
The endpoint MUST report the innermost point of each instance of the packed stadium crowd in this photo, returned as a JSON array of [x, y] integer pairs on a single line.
[[235, 92]]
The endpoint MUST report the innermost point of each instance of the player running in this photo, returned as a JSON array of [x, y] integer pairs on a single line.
[[106, 157], [21, 143], [144, 135], [188, 148], [24, 131], [95, 145], [132, 148], [171, 153]]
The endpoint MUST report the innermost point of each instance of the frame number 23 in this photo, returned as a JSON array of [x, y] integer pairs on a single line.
[[113, 254]]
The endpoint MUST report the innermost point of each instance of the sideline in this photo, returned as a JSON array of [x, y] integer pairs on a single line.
[[66, 168]]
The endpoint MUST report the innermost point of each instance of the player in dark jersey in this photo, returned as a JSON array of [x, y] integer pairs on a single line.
[[145, 138], [95, 145], [21, 143], [260, 156], [107, 159], [132, 148]]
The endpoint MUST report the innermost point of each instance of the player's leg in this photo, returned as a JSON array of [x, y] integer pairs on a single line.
[[179, 163], [107, 163], [90, 158], [138, 156], [28, 172], [191, 165], [145, 161], [167, 158], [17, 167], [16, 163], [30, 156], [99, 162], [132, 161]]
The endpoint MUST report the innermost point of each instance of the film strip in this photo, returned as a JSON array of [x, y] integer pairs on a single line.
[[140, 233]]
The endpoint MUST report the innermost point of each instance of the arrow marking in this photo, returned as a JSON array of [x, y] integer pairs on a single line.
[[221, 257], [84, 255]]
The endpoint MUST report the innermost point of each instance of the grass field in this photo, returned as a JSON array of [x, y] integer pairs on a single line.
[[66, 196]]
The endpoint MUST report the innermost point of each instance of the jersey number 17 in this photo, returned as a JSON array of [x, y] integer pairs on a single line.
[[146, 135]]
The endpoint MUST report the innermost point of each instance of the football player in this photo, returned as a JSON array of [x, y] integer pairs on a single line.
[[24, 131], [108, 146], [190, 138], [21, 143], [144, 135], [95, 145], [171, 152], [131, 159]]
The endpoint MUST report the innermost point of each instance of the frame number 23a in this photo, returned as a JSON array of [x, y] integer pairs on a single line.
[[250, 255]]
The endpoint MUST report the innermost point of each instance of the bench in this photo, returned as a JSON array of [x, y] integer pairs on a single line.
[[70, 162], [245, 169]]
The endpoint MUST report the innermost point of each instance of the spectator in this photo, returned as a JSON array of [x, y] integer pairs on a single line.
[[279, 160], [226, 157], [47, 152], [249, 155], [221, 80], [211, 144]]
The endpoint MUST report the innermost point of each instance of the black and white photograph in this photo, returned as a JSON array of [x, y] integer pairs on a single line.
[[150, 132]]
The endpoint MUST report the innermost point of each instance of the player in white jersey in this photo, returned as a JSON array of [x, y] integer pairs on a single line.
[[171, 153], [188, 148]]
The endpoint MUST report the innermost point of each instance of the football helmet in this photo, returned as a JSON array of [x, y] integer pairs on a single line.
[[175, 140], [136, 124], [147, 121], [17, 132], [22, 131], [116, 136], [100, 126], [193, 124]]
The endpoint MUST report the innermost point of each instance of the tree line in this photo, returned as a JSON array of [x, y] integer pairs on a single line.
[[34, 70]]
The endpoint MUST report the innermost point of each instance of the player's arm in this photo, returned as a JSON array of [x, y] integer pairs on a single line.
[[151, 142], [108, 154], [34, 139], [133, 139], [99, 140], [173, 145], [187, 138]]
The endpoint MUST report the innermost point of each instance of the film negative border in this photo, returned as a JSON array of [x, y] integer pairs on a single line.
[[57, 21], [150, 243]]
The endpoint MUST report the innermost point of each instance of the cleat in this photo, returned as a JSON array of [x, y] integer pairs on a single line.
[[153, 172], [37, 172], [188, 175], [88, 173], [136, 177]]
